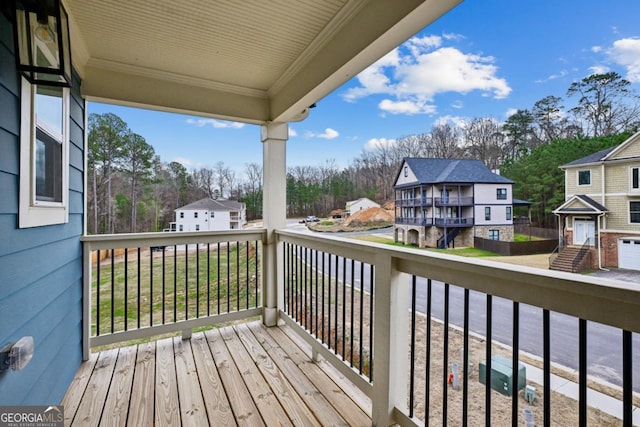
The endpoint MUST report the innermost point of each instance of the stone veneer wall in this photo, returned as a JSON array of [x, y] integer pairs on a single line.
[[506, 231]]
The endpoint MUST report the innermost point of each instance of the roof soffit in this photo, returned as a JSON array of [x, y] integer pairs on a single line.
[[264, 61]]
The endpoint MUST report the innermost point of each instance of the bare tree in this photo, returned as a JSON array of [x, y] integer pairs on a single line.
[[484, 141], [606, 104]]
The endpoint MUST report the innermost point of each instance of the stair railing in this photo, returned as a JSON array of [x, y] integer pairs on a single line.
[[557, 250]]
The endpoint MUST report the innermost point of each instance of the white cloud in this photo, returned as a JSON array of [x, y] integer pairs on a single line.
[[292, 132], [187, 163], [596, 49], [218, 124], [599, 69], [626, 52], [456, 121], [510, 112], [327, 134], [408, 107], [377, 143], [413, 74]]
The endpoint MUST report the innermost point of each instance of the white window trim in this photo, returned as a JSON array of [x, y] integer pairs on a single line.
[[32, 213], [629, 212], [578, 178], [631, 189]]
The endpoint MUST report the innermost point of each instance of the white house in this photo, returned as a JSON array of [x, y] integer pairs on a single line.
[[210, 215], [357, 205]]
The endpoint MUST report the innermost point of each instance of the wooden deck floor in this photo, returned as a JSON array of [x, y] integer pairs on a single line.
[[245, 374]]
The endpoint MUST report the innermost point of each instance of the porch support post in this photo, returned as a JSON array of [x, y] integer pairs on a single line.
[[274, 213], [391, 340]]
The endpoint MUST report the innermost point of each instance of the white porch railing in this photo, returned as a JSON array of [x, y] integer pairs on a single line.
[[401, 274], [355, 303]]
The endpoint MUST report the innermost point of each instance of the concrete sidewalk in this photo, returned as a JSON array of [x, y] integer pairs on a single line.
[[568, 388]]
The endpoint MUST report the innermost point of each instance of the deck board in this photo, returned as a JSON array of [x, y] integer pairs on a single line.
[[245, 375], [142, 390], [117, 403]]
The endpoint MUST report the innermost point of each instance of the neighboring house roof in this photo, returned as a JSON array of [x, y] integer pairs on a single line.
[[618, 152], [592, 158], [213, 205], [581, 204], [360, 200], [434, 171], [518, 202]]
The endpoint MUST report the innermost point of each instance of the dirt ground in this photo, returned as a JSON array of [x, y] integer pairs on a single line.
[[538, 260]]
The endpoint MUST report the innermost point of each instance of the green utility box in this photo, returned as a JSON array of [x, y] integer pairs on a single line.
[[501, 374]]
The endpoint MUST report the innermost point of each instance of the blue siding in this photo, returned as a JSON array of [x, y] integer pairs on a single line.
[[40, 267]]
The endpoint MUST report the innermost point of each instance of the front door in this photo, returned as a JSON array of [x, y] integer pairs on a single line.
[[584, 229]]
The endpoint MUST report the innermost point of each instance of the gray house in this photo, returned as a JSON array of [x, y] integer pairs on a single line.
[[444, 202]]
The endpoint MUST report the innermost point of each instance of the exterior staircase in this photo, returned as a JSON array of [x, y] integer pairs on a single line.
[[451, 234], [569, 259]]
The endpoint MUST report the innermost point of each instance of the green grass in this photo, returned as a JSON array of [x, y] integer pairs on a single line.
[[191, 285], [525, 238], [467, 252]]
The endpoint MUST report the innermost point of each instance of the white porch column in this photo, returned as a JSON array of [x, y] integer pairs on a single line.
[[390, 341], [274, 213]]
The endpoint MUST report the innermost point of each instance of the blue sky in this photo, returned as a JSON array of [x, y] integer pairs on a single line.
[[485, 58]]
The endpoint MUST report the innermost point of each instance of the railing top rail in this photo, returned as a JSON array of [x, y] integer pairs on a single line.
[[606, 301], [113, 241]]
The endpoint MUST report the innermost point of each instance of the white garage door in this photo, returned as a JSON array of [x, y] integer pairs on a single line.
[[629, 254]]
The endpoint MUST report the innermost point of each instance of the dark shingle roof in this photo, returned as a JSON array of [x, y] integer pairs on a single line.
[[213, 205], [434, 171], [592, 158], [592, 202]]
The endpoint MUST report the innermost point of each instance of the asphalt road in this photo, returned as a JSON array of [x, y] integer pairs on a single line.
[[604, 343]]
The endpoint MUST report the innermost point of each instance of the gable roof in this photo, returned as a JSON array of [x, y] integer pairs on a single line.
[[611, 153], [581, 203], [212, 205], [591, 158], [463, 171]]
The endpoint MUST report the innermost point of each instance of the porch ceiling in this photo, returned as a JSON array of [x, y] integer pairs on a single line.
[[251, 61]]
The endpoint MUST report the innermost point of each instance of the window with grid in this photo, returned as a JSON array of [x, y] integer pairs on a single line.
[[634, 212]]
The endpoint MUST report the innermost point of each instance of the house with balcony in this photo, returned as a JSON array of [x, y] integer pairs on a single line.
[[210, 215], [601, 211], [447, 202], [335, 326]]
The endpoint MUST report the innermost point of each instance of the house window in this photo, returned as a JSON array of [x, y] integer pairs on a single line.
[[584, 177], [635, 178], [44, 155], [634, 212], [181, 214], [406, 171], [494, 234], [197, 227], [487, 213], [501, 194], [181, 228], [509, 214], [195, 214], [213, 214]]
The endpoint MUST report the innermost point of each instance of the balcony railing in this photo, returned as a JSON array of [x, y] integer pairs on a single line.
[[140, 285], [417, 201], [415, 221], [454, 201], [454, 222], [369, 308]]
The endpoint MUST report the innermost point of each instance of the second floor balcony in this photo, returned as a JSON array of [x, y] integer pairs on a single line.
[[348, 317], [454, 201], [454, 222]]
